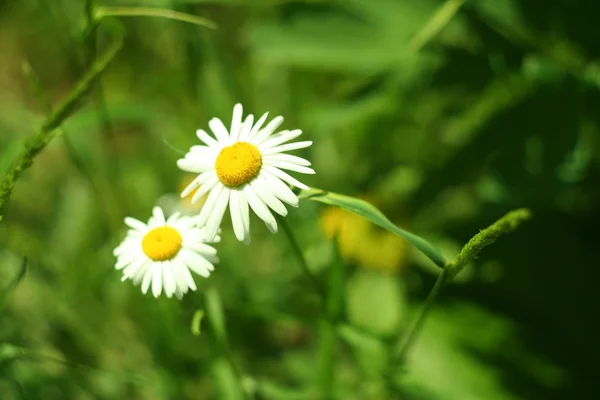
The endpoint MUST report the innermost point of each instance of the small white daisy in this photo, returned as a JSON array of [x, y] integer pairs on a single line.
[[163, 252], [243, 168]]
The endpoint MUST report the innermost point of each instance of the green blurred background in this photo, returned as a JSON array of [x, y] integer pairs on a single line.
[[443, 119]]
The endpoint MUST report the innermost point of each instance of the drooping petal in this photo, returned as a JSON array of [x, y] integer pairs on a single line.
[[267, 196], [157, 280], [210, 204], [280, 189], [236, 215], [168, 279], [259, 207], [214, 220], [211, 181]]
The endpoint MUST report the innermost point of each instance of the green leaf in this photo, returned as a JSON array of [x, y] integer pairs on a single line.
[[372, 290], [368, 211], [13, 284], [371, 354], [214, 311]]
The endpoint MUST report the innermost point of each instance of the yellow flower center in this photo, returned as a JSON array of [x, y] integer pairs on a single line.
[[162, 243], [238, 164]]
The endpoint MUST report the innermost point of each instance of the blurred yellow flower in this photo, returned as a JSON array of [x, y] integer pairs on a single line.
[[363, 243]]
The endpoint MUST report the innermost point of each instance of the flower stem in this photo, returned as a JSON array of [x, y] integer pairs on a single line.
[[216, 318], [298, 253], [102, 12], [415, 328], [48, 129]]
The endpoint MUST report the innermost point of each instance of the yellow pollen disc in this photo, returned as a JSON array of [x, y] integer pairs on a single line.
[[238, 164], [162, 243]]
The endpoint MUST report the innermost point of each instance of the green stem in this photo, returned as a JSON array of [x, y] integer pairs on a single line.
[[46, 133], [216, 317], [298, 253], [327, 327], [102, 12], [415, 328]]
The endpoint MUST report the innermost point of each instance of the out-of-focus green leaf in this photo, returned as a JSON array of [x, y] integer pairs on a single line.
[[371, 213], [375, 302], [460, 339], [5, 291], [214, 311], [371, 354], [226, 380]]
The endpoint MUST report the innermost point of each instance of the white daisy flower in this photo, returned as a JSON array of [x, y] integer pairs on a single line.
[[243, 168], [163, 252]]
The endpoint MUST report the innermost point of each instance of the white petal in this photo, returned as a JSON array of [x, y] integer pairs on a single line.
[[257, 126], [266, 195], [267, 131], [245, 213], [286, 158], [173, 218], [280, 189], [216, 125], [168, 279], [209, 205], [185, 277], [195, 166], [281, 137], [236, 122], [289, 166], [135, 224], [148, 278], [126, 259], [284, 176], [287, 147], [200, 247], [132, 268], [196, 263], [159, 216], [214, 221], [199, 180], [236, 215], [260, 209], [184, 223], [207, 139], [207, 186], [141, 272], [246, 128], [157, 280]]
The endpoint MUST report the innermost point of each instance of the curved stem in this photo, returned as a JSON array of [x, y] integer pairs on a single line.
[[153, 12], [410, 336], [298, 253]]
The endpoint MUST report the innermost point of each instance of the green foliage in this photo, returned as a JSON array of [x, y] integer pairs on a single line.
[[439, 115]]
